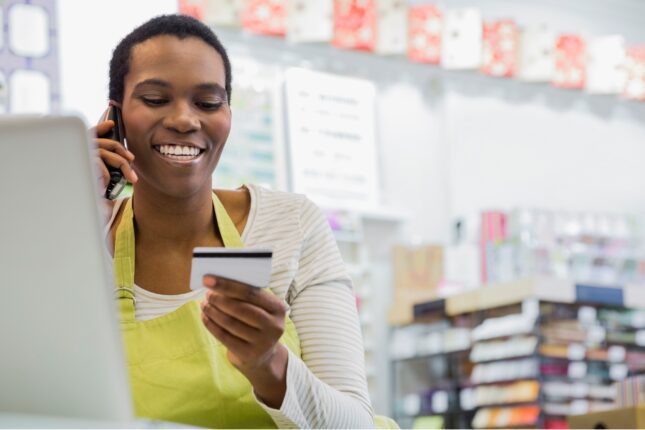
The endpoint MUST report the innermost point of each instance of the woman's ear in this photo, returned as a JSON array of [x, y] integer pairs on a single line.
[[117, 104]]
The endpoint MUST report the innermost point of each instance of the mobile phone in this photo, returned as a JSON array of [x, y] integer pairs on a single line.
[[248, 266], [117, 180]]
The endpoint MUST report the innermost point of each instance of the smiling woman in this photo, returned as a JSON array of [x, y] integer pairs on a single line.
[[230, 355]]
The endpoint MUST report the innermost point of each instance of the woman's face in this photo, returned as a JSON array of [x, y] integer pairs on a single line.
[[175, 113]]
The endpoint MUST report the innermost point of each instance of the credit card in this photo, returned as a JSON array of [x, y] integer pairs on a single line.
[[248, 266]]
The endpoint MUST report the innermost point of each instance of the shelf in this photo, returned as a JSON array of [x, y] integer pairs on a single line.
[[427, 356]]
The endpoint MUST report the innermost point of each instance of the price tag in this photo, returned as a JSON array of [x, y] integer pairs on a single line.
[[577, 370], [616, 353], [587, 315], [640, 338], [440, 402], [576, 352], [618, 372]]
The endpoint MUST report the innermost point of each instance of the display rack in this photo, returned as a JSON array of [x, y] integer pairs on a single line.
[[517, 355]]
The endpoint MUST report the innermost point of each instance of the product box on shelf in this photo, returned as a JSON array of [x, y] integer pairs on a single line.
[[223, 12], [606, 72], [635, 66], [391, 27], [417, 273], [355, 24], [500, 41], [537, 54], [625, 418], [461, 41], [570, 62], [425, 26], [268, 17], [309, 21]]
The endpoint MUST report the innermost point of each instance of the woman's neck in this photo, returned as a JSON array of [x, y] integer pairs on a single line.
[[162, 218]]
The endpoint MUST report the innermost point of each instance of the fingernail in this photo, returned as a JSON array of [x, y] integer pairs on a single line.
[[209, 281], [136, 178]]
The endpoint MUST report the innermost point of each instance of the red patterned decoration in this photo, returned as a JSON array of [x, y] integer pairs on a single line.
[[355, 24], [570, 68], [500, 48], [194, 8], [635, 68], [266, 17], [424, 34]]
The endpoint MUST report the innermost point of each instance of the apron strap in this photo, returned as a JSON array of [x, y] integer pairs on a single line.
[[227, 229]]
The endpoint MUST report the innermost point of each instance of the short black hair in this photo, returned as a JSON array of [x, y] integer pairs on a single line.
[[180, 26]]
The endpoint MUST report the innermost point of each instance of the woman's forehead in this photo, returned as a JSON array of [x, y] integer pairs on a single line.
[[167, 56]]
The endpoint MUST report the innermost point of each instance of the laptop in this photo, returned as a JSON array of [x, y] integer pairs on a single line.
[[61, 353]]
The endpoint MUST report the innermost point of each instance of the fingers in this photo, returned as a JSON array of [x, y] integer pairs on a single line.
[[245, 293], [231, 342], [117, 161], [245, 312], [101, 128], [114, 146], [234, 325]]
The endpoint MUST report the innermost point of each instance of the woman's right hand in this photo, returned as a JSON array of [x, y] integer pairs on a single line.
[[114, 154]]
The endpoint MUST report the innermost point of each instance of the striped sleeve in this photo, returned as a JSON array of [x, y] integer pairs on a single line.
[[327, 388]]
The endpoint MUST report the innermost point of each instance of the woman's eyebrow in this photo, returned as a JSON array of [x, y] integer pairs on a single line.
[[155, 82], [211, 86]]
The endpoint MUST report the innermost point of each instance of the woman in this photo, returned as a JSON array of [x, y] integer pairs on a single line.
[[230, 355]]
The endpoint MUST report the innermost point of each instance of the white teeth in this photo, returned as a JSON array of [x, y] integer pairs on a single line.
[[177, 150]]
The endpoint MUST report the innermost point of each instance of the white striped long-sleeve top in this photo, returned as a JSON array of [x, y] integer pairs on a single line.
[[327, 387]]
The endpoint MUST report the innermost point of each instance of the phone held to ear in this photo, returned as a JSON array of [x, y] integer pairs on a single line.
[[117, 180]]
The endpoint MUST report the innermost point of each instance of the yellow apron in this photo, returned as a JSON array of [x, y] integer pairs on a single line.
[[178, 371]]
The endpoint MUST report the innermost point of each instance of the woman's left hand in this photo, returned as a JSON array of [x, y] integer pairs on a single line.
[[249, 322]]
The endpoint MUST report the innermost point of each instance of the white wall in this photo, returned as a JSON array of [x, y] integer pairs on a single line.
[[89, 31]]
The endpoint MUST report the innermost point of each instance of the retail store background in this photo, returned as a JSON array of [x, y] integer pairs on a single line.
[[451, 144]]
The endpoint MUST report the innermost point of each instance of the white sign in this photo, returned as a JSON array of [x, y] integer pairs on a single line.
[[331, 129]]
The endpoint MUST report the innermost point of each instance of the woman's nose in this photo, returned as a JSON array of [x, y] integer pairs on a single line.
[[182, 118]]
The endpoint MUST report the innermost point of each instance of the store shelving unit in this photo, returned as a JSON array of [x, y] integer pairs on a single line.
[[529, 355]]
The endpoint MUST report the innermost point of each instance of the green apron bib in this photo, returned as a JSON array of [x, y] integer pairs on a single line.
[[178, 371]]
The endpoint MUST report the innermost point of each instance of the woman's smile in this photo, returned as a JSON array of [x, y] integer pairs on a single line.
[[179, 153]]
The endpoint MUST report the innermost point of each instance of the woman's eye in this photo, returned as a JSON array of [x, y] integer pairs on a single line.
[[209, 105], [152, 101]]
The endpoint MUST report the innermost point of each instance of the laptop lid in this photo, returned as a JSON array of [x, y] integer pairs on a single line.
[[60, 345]]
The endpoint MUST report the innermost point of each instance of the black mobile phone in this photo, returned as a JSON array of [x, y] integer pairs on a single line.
[[117, 180]]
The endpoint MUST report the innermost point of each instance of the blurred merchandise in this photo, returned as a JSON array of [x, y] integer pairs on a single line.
[[630, 392], [625, 418], [635, 66], [570, 70], [461, 46], [535, 357], [355, 24], [597, 249], [606, 73], [310, 21], [425, 26], [391, 27], [268, 17], [537, 54], [223, 12], [500, 44]]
